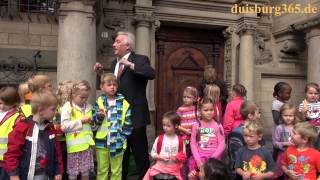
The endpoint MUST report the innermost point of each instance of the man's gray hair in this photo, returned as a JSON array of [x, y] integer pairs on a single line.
[[130, 40]]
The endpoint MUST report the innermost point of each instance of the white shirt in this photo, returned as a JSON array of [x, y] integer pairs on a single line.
[[117, 65]]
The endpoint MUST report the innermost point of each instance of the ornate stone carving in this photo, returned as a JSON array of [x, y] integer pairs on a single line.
[[227, 59], [263, 52], [111, 25], [246, 28], [227, 33], [291, 47]]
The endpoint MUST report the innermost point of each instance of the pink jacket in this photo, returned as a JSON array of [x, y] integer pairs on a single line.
[[232, 116]]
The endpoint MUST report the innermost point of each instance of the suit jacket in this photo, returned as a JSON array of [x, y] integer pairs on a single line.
[[132, 84]]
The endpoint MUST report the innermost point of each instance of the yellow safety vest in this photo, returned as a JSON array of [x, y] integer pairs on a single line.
[[26, 110], [5, 129], [80, 140], [103, 129]]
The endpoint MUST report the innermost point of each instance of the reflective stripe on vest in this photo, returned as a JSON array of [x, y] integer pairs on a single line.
[[27, 110], [104, 128], [80, 140], [5, 129]]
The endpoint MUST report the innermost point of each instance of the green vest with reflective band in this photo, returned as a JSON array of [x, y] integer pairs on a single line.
[[5, 129], [26, 110], [104, 128], [80, 140]]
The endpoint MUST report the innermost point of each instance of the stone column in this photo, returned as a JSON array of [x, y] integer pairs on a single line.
[[313, 40], [143, 23], [246, 57], [77, 42]]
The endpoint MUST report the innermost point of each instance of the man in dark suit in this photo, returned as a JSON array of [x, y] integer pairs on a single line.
[[133, 72]]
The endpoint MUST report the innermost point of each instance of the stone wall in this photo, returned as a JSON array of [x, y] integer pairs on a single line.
[[23, 37]]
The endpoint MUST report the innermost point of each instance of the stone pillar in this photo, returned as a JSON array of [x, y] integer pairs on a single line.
[[246, 57], [313, 40], [77, 42], [143, 23]]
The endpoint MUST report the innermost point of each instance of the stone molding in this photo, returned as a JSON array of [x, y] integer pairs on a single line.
[[308, 24], [143, 20]]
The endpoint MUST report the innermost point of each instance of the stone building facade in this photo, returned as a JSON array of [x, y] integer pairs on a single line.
[[65, 38]]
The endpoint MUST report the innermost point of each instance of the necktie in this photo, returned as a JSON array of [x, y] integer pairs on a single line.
[[120, 68]]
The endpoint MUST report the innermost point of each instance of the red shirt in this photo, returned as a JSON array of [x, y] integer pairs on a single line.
[[305, 163]]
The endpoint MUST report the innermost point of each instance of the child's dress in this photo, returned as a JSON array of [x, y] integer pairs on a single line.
[[232, 116], [207, 141], [305, 163], [33, 151], [281, 134], [79, 138], [313, 113], [276, 105], [313, 117], [169, 147], [188, 119]]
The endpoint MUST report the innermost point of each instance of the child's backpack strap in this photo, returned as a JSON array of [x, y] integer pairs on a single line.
[[180, 144], [159, 143], [160, 140]]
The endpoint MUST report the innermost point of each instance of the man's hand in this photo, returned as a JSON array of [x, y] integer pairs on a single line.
[[246, 175], [98, 68], [125, 62]]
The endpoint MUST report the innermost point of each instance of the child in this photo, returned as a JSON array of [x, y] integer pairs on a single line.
[[207, 137], [113, 113], [76, 116], [253, 161], [168, 150], [282, 134], [232, 116], [24, 93], [310, 108], [302, 161], [188, 112], [212, 91], [35, 84], [33, 150], [188, 115], [212, 169], [9, 101], [282, 93], [63, 92], [250, 112]]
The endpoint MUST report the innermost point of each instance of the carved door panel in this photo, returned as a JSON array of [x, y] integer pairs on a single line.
[[181, 57]]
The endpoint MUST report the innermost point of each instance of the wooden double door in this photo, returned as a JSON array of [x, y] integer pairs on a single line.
[[181, 55]]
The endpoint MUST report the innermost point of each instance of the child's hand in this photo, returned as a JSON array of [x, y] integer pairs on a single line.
[[193, 175], [57, 177], [246, 175], [292, 174], [101, 115], [184, 130], [86, 120], [289, 143], [257, 176], [14, 178]]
